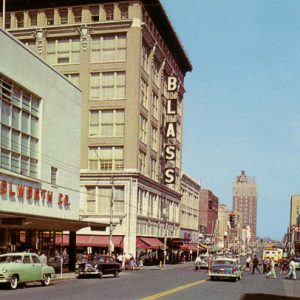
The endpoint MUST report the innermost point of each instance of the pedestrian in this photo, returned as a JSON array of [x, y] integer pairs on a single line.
[[197, 263], [255, 263], [43, 258], [265, 263], [292, 270], [272, 271], [209, 263], [248, 261]]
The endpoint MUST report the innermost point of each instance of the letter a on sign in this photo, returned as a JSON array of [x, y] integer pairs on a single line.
[[172, 83], [171, 130]]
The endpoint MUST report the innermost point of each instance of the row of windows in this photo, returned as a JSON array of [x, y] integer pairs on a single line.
[[99, 198], [106, 158], [106, 123], [64, 16], [19, 127], [154, 230]]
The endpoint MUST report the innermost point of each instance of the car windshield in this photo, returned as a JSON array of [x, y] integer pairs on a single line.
[[10, 259]]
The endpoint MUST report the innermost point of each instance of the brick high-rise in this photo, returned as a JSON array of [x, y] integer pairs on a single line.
[[245, 201]]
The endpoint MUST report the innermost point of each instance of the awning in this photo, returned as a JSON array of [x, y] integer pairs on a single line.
[[148, 243], [192, 247], [92, 240], [35, 222]]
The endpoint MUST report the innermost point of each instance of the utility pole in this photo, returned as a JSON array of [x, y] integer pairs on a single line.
[[111, 217], [3, 12]]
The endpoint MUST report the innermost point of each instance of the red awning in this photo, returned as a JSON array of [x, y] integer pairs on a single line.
[[92, 241], [149, 243], [193, 247]]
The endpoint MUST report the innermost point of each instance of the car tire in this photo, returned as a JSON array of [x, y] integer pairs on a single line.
[[46, 280], [116, 274], [100, 275], [212, 278], [13, 284], [78, 277]]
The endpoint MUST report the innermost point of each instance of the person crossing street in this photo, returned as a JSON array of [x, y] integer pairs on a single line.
[[255, 263]]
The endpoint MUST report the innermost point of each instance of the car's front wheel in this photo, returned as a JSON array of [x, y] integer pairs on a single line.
[[100, 274], [46, 279], [13, 284]]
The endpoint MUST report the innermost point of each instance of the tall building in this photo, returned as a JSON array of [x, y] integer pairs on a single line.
[[294, 209], [208, 212], [223, 224], [39, 166], [245, 201], [130, 65], [189, 212]]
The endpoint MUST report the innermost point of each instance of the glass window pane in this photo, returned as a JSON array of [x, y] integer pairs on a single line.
[[25, 122], [15, 141], [5, 137], [4, 159], [5, 113], [15, 162], [34, 126], [24, 145], [16, 118]]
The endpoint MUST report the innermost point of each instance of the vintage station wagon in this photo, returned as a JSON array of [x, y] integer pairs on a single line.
[[16, 268]]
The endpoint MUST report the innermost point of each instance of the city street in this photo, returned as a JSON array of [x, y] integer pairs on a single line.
[[175, 282]]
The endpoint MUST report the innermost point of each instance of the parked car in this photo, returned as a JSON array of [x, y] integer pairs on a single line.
[[225, 268], [101, 265], [17, 268], [297, 263], [203, 264]]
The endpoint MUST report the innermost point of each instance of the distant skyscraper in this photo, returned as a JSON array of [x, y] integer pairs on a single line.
[[245, 201]]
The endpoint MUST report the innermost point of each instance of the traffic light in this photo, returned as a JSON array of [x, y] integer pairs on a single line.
[[232, 220]]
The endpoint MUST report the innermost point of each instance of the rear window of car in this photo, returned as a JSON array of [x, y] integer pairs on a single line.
[[224, 262], [11, 259]]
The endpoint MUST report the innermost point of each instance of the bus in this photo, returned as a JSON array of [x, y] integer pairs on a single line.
[[272, 252]]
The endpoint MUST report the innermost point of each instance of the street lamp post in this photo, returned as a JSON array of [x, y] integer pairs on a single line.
[[165, 233], [111, 217]]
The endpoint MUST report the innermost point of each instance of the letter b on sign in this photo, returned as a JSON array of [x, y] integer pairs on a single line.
[[172, 83]]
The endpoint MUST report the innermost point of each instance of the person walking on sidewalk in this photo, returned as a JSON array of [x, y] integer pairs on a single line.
[[272, 270], [255, 263]]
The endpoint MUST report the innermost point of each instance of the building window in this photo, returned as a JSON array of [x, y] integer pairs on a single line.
[[108, 85], [118, 200], [63, 51], [19, 128], [91, 199], [154, 104], [108, 48], [74, 78], [124, 11], [109, 12], [20, 20], [153, 168], [53, 176], [145, 57], [142, 162], [94, 10], [154, 138], [155, 71], [7, 20], [49, 17], [144, 95], [63, 15], [33, 18], [106, 158], [143, 129], [107, 123], [77, 15]]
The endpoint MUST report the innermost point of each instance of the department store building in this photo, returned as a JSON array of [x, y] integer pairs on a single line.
[[121, 54]]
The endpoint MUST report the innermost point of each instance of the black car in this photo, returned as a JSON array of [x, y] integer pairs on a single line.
[[99, 266]]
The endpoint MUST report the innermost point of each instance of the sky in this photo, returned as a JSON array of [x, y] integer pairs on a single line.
[[242, 106]]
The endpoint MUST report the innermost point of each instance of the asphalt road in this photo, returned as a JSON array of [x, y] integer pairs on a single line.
[[150, 284]]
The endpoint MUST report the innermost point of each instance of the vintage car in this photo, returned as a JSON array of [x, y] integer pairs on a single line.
[[19, 268], [225, 268], [99, 266]]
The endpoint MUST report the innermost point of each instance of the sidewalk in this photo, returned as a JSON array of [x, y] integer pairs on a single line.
[[71, 275]]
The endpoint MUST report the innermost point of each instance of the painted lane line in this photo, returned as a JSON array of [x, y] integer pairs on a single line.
[[175, 290]]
